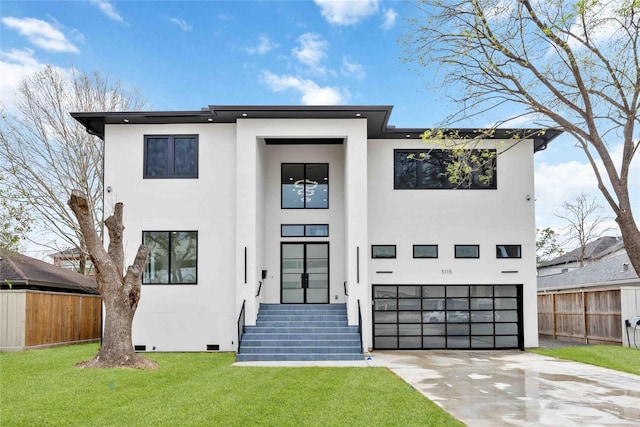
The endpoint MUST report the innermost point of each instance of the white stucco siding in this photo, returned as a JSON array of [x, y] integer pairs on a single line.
[[180, 317], [448, 217]]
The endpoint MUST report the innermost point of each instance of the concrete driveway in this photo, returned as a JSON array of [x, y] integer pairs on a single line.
[[500, 388]]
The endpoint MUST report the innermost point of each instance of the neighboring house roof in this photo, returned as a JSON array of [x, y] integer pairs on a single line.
[[23, 271], [593, 251], [71, 254], [606, 272], [377, 120]]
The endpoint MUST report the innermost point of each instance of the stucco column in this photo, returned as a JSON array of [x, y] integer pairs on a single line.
[[356, 241]]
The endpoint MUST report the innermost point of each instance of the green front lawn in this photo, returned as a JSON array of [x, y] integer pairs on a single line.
[[622, 359], [43, 387]]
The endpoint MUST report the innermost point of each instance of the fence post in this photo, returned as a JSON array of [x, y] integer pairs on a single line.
[[584, 316], [553, 315]]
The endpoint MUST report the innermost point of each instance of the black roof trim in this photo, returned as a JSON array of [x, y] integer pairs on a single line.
[[377, 120]]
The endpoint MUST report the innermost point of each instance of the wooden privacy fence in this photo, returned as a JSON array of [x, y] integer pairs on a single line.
[[30, 319], [591, 316]]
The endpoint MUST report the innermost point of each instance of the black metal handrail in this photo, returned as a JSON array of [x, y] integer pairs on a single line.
[[241, 325], [345, 289], [259, 288], [360, 325]]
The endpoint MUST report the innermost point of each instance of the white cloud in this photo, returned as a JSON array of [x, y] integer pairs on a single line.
[[14, 66], [312, 50], [389, 19], [264, 46], [41, 33], [108, 9], [343, 12], [558, 183], [353, 69], [184, 25], [311, 93]]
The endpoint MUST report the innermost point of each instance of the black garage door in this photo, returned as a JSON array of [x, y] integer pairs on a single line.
[[447, 317]]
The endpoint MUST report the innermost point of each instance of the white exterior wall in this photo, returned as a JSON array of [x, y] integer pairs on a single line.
[[180, 317], [235, 204], [449, 217]]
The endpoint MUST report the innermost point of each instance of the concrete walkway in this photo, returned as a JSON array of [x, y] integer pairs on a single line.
[[502, 388]]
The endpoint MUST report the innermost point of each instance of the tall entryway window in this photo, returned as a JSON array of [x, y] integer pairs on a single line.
[[305, 186], [304, 273]]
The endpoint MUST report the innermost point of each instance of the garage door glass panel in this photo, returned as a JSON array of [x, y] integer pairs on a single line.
[[482, 291], [506, 303], [481, 316], [506, 342], [386, 305], [506, 328], [482, 342], [386, 292], [433, 291], [457, 342], [455, 316], [382, 330], [457, 303], [385, 317], [434, 329], [409, 317], [434, 342], [409, 304], [506, 291], [506, 316], [386, 342], [410, 342], [482, 329]]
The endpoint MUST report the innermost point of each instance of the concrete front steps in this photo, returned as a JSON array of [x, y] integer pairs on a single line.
[[299, 332]]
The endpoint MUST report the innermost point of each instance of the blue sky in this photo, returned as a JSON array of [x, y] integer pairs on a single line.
[[184, 55]]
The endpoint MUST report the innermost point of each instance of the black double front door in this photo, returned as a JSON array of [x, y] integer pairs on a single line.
[[304, 269]]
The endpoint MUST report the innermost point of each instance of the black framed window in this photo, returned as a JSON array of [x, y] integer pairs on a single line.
[[304, 230], [425, 251], [383, 251], [420, 169], [173, 257], [305, 186], [467, 251], [170, 156], [508, 251]]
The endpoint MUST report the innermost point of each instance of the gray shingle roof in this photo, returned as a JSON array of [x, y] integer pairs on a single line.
[[21, 270], [604, 271], [593, 251]]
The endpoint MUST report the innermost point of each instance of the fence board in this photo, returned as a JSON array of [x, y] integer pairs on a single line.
[[589, 315], [53, 318]]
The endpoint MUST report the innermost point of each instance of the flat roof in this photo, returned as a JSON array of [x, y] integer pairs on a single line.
[[377, 120]]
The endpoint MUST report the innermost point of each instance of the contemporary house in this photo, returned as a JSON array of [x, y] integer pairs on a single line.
[[249, 207]]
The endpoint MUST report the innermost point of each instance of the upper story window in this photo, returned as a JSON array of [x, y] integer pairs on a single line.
[[173, 257], [428, 170], [170, 156], [305, 186]]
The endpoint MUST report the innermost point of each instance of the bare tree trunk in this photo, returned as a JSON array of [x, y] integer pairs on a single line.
[[631, 237], [119, 293]]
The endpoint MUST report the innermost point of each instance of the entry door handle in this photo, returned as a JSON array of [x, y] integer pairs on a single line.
[[305, 280]]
